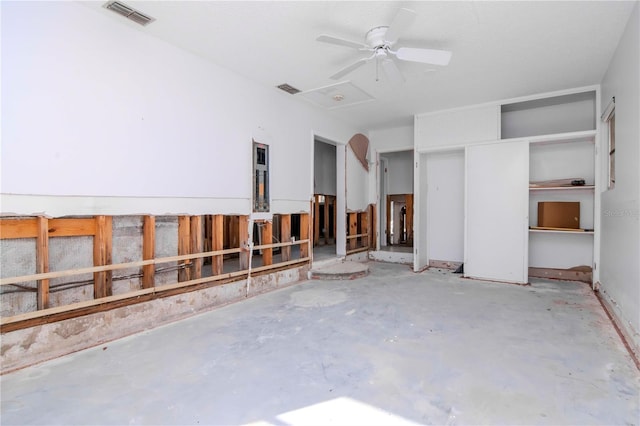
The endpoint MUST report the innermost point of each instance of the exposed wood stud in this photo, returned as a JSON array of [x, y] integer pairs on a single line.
[[285, 235], [231, 235], [335, 218], [326, 219], [409, 223], [184, 246], [267, 238], [364, 228], [304, 234], [42, 261], [190, 248], [217, 243], [316, 220], [243, 239], [353, 229], [388, 227], [196, 246], [102, 256], [148, 250], [373, 228]]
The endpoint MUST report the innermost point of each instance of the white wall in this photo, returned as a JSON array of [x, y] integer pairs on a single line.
[[99, 118], [391, 139], [457, 128], [620, 237], [399, 172], [324, 168], [384, 141], [357, 183]]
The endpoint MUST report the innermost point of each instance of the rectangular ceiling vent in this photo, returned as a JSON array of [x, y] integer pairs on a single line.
[[289, 89], [129, 12]]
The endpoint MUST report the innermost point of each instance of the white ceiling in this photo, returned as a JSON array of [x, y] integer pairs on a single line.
[[500, 49]]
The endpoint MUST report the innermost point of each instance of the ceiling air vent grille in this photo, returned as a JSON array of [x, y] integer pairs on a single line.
[[129, 12], [289, 89]]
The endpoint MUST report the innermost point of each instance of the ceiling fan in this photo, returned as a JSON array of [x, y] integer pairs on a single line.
[[380, 41]]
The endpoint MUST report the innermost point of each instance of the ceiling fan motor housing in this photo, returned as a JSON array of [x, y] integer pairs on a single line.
[[376, 38]]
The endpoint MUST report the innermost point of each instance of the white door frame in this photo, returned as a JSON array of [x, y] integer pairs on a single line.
[[341, 190]]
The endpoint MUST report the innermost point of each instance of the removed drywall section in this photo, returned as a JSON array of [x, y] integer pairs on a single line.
[[18, 258], [127, 247], [620, 207], [67, 253]]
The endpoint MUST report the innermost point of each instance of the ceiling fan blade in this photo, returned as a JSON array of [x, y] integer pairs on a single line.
[[401, 22], [340, 41], [426, 56], [392, 71], [348, 69]]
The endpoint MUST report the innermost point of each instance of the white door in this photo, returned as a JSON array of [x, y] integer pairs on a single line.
[[497, 208], [420, 246]]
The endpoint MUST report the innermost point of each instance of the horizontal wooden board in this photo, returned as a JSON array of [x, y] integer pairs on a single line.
[[28, 228], [18, 228], [71, 227]]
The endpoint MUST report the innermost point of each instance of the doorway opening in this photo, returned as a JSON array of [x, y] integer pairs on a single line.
[[399, 226], [396, 201], [325, 201]]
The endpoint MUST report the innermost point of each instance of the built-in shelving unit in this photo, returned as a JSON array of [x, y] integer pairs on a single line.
[[561, 132]]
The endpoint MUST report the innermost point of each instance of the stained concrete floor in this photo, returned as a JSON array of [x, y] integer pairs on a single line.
[[392, 348], [321, 253]]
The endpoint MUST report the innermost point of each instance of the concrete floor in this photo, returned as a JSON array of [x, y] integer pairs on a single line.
[[392, 348], [397, 248], [324, 252]]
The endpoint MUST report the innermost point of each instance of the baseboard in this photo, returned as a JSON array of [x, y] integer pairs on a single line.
[[629, 336], [580, 273], [444, 264]]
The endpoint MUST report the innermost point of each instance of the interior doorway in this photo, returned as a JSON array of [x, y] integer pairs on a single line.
[[396, 201], [325, 201], [399, 226]]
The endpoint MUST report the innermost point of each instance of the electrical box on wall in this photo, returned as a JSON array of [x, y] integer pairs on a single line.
[[260, 177]]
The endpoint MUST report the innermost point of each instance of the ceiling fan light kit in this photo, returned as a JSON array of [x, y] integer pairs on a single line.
[[380, 40]]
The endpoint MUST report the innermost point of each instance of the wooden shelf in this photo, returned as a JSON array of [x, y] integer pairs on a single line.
[[560, 231], [563, 188]]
